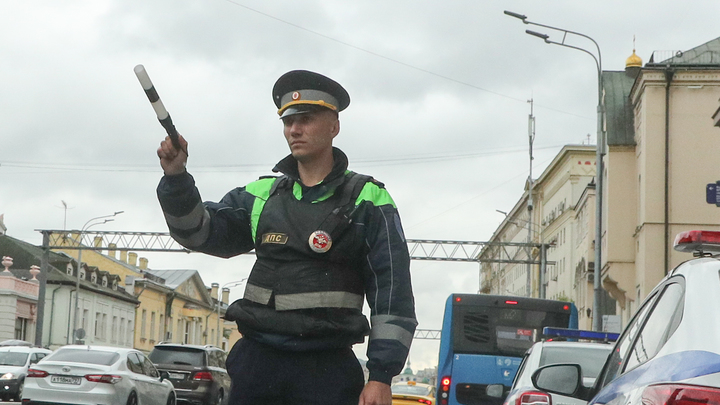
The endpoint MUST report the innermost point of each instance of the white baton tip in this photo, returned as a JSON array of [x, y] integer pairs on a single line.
[[143, 77]]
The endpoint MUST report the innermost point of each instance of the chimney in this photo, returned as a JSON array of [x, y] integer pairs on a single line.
[[225, 295], [111, 250], [143, 263], [214, 290], [97, 242], [132, 258], [123, 256]]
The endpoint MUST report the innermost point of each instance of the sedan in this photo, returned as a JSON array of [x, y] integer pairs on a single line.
[[97, 375], [413, 393]]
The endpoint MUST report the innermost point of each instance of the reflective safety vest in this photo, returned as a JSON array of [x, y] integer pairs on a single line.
[[306, 280]]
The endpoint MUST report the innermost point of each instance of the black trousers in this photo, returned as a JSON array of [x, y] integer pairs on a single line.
[[263, 375]]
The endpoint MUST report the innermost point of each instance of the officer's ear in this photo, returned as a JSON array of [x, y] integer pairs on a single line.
[[336, 127]]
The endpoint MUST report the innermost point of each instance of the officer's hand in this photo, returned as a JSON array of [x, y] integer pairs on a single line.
[[376, 393], [172, 160]]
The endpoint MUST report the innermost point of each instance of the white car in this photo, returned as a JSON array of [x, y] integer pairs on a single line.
[[14, 364], [591, 356], [97, 375], [669, 353]]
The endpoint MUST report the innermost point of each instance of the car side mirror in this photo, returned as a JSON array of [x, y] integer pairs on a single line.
[[164, 375], [495, 390], [563, 379]]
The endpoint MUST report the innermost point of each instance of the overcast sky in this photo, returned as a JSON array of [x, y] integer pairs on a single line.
[[439, 107]]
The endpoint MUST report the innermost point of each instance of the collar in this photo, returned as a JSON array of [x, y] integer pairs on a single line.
[[289, 167]]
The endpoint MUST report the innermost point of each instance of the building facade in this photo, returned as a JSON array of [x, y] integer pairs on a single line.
[[661, 151], [174, 305], [562, 217]]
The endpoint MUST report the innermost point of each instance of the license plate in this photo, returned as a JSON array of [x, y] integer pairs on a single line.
[[60, 379], [176, 376]]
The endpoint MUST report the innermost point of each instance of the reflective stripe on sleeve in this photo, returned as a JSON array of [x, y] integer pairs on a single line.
[[386, 327], [199, 216], [257, 294], [322, 299]]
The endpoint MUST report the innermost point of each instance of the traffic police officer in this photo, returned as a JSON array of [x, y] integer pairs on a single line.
[[325, 237]]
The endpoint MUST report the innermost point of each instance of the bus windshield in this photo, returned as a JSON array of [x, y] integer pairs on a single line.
[[505, 331]]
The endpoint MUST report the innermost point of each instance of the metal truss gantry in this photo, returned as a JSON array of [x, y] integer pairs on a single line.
[[438, 250]]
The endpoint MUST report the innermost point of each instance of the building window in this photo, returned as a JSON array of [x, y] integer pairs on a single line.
[[161, 328], [129, 332], [98, 327], [152, 325], [114, 335], [121, 334], [21, 328], [143, 321], [104, 281], [103, 327], [187, 333]]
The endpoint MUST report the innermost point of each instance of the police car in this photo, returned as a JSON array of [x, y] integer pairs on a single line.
[[669, 353], [591, 356]]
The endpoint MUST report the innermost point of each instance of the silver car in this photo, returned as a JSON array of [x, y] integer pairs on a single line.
[[591, 356], [97, 375], [14, 364]]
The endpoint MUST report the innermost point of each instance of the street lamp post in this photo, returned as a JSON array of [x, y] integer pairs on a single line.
[[219, 303], [105, 219], [600, 151]]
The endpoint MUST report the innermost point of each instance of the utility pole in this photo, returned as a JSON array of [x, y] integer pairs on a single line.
[[531, 139]]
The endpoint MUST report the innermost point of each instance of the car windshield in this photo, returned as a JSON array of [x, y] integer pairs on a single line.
[[591, 359], [13, 358], [87, 356], [177, 355], [410, 389]]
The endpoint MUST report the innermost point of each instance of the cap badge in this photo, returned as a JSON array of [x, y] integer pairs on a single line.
[[296, 95], [320, 241]]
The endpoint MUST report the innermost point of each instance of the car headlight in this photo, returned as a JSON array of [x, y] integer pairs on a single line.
[[7, 376]]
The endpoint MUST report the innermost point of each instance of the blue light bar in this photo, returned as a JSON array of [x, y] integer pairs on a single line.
[[580, 334]]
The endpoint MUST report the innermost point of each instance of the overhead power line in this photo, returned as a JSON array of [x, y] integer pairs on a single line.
[[254, 167], [333, 39]]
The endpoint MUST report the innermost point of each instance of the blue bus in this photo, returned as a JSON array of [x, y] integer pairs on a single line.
[[483, 340]]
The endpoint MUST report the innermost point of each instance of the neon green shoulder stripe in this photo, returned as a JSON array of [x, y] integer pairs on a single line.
[[261, 190], [376, 195]]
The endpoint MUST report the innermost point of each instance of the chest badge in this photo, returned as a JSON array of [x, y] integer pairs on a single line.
[[320, 241]]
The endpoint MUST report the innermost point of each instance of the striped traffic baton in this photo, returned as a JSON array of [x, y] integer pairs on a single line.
[[157, 104]]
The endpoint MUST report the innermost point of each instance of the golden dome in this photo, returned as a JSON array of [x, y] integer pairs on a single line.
[[633, 61]]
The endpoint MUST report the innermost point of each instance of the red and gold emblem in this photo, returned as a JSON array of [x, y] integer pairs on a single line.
[[296, 95], [320, 241]]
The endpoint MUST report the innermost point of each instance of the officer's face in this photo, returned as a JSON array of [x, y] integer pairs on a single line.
[[310, 135]]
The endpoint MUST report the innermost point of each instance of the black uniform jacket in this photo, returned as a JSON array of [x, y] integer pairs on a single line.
[[300, 296]]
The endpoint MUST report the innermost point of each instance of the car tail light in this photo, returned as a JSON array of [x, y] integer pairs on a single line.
[[203, 376], [533, 398], [680, 394], [103, 378], [703, 241], [444, 390], [425, 401], [33, 373]]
